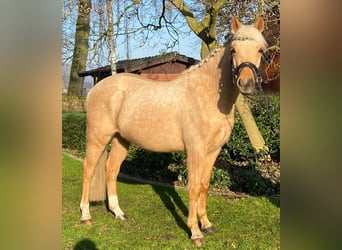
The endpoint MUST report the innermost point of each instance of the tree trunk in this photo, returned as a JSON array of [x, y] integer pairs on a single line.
[[79, 60], [206, 29], [110, 36]]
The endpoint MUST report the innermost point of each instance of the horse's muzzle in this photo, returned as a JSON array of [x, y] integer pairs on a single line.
[[246, 86]]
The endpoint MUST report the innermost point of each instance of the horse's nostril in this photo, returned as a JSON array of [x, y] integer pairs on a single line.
[[246, 86], [245, 83], [250, 83]]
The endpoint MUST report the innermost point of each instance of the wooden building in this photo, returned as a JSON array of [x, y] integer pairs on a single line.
[[162, 67]]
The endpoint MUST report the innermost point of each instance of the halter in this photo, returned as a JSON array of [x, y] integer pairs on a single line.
[[257, 72]]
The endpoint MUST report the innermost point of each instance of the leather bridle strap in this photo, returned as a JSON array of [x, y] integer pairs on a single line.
[[256, 71]]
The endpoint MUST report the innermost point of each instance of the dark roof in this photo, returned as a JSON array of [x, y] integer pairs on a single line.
[[132, 65]]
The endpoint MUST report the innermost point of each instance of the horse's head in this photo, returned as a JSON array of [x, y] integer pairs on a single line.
[[247, 47]]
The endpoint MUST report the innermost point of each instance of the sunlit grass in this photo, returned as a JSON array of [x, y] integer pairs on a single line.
[[157, 218]]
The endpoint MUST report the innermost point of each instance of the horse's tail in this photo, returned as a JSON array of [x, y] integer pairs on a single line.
[[98, 183]]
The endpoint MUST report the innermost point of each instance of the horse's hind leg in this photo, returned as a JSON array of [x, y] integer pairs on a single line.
[[95, 148], [116, 156]]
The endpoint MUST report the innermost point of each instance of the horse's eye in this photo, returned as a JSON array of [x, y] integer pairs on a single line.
[[232, 51], [261, 51]]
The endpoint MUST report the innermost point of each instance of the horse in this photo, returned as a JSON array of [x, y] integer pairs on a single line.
[[271, 73], [193, 113]]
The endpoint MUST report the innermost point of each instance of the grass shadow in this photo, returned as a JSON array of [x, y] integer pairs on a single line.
[[275, 201], [85, 244], [170, 198], [172, 201]]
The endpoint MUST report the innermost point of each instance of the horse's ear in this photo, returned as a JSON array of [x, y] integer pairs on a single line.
[[259, 24], [235, 25]]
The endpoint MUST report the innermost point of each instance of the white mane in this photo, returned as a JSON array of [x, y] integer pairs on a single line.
[[250, 32]]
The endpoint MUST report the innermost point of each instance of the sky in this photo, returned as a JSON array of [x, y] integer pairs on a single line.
[[189, 45], [156, 43]]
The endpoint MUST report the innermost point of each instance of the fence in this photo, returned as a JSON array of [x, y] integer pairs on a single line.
[[73, 103]]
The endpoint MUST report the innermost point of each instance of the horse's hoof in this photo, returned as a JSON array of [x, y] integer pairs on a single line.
[[122, 217], [86, 222], [198, 241], [210, 229]]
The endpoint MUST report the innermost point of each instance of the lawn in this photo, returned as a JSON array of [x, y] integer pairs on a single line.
[[157, 218]]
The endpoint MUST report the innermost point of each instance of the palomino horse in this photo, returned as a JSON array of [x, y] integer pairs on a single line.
[[192, 113]]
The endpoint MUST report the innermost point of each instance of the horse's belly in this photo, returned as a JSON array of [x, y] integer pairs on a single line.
[[158, 144], [154, 138]]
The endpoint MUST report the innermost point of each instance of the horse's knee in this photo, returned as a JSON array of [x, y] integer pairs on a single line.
[[204, 187], [194, 191]]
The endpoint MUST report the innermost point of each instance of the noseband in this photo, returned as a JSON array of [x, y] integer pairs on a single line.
[[257, 72]]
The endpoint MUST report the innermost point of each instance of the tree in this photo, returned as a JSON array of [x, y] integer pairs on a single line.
[[79, 59], [110, 35], [205, 29]]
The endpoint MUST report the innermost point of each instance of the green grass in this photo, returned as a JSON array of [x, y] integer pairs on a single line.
[[157, 218]]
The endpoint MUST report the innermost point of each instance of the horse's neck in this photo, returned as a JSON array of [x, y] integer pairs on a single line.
[[218, 67]]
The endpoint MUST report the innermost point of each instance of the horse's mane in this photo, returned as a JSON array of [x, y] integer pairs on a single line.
[[205, 60]]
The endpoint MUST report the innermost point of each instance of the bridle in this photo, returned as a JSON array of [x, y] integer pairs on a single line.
[[257, 72]]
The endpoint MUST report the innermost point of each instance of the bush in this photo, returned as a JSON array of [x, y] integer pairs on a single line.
[[74, 132], [266, 112], [220, 179], [148, 165]]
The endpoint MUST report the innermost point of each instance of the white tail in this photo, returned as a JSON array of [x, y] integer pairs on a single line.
[[98, 183]]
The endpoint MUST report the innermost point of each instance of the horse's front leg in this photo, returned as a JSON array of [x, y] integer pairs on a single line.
[[206, 225], [195, 160]]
